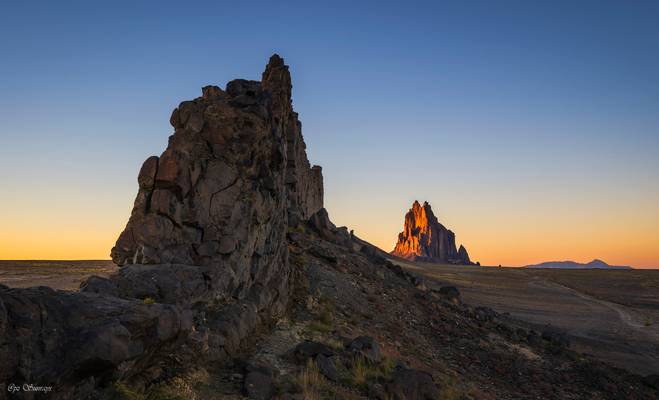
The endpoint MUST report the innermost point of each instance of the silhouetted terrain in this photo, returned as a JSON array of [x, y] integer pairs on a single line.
[[595, 264]]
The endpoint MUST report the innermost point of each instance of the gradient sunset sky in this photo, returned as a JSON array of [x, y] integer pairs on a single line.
[[531, 127]]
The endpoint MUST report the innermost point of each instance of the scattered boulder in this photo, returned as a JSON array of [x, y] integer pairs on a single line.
[[377, 391], [260, 381], [326, 367], [324, 253], [419, 282], [484, 314], [555, 337], [450, 294], [309, 349], [532, 338], [651, 381], [366, 347], [411, 384]]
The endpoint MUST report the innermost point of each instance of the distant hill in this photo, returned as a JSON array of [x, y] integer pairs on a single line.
[[595, 264]]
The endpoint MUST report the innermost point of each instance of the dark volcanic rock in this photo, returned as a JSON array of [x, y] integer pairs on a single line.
[[309, 349], [327, 368], [410, 384], [64, 338], [366, 347], [259, 386], [424, 239], [652, 381], [450, 293], [207, 233], [555, 337], [235, 171], [484, 313], [260, 381], [214, 222]]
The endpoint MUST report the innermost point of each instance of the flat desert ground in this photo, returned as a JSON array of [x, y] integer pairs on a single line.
[[610, 314], [63, 275]]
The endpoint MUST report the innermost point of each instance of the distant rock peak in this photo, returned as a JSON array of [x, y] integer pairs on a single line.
[[424, 238]]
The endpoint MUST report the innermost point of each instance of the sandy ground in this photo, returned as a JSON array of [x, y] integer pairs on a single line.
[[63, 275], [613, 315]]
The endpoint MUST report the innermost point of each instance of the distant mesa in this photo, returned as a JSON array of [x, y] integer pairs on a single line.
[[595, 264], [424, 239]]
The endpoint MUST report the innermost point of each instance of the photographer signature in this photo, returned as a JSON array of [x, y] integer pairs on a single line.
[[28, 387]]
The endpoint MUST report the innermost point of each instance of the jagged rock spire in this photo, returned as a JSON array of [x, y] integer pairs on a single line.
[[235, 163], [424, 239]]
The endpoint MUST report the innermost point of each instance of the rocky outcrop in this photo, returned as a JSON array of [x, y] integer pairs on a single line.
[[72, 341], [410, 384], [210, 219], [234, 172], [205, 252], [463, 256], [424, 239]]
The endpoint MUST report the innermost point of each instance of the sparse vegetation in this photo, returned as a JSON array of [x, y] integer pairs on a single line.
[[448, 389], [335, 344], [476, 393], [297, 259], [325, 316], [364, 371], [164, 393], [360, 372], [296, 229], [120, 391], [310, 381]]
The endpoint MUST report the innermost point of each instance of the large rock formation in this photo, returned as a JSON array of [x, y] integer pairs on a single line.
[[424, 239], [205, 252], [234, 172]]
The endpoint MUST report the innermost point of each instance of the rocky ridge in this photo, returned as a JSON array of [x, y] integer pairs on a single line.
[[425, 239]]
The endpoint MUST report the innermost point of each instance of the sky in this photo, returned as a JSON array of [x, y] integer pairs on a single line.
[[532, 128]]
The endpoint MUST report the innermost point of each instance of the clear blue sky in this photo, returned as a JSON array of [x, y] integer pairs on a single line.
[[531, 127]]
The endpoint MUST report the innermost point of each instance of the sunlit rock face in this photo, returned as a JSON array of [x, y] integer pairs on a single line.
[[424, 239]]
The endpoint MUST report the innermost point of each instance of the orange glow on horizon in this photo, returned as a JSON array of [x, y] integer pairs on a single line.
[[510, 237]]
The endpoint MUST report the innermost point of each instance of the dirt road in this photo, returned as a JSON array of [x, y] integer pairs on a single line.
[[622, 334]]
